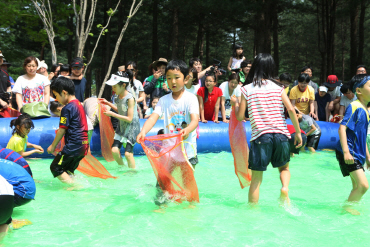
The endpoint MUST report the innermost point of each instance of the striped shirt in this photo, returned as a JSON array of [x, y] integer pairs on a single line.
[[265, 109], [5, 187]]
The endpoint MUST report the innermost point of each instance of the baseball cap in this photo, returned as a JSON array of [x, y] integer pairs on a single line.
[[332, 81], [323, 89], [115, 79], [77, 64]]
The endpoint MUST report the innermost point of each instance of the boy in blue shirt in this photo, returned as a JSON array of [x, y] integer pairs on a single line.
[[72, 125], [352, 151]]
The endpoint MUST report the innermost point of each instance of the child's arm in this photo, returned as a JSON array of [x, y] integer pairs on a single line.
[[313, 128], [240, 108], [191, 127], [327, 111], [47, 94], [293, 118], [18, 98], [130, 112], [348, 158], [217, 108], [341, 112], [229, 64], [28, 153], [312, 110], [141, 97], [367, 158], [223, 113], [148, 125], [316, 108], [58, 137], [30, 145], [201, 109], [106, 102]]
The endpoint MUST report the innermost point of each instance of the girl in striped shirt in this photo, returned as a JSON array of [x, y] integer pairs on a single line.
[[265, 99]]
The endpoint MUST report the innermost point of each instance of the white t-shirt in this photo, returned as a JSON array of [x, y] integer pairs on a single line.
[[139, 88], [176, 114], [344, 101], [335, 93], [31, 90], [225, 94], [6, 189], [193, 89]]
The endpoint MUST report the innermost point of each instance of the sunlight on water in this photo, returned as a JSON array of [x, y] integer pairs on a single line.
[[120, 212]]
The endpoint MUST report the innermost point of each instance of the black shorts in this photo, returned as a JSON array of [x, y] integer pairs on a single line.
[[270, 147], [129, 148], [6, 209], [293, 149], [313, 141], [65, 163], [345, 168], [20, 201]]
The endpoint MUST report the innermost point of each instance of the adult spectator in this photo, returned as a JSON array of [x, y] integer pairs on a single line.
[[5, 86], [245, 68], [308, 70], [361, 69], [348, 95], [302, 96], [31, 87], [5, 66], [78, 79], [197, 65], [322, 100], [42, 68], [333, 85]]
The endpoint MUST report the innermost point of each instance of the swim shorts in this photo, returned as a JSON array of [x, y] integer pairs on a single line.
[[20, 201], [270, 147], [313, 141], [65, 163], [345, 168], [6, 209], [129, 148], [293, 149]]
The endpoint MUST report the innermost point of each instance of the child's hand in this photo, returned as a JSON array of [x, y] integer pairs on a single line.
[[108, 113], [140, 137], [39, 151], [216, 121], [348, 158], [164, 87], [225, 121], [204, 121], [3, 104], [298, 140], [103, 101], [50, 149], [157, 74], [233, 100], [184, 133], [38, 148]]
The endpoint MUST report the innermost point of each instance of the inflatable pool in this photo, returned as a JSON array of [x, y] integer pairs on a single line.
[[213, 138]]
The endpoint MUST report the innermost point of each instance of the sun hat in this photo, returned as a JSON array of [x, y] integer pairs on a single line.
[[161, 60], [115, 79], [332, 81]]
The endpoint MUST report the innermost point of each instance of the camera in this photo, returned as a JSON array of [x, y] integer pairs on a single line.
[[217, 63]]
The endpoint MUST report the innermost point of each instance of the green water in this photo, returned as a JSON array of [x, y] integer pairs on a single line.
[[120, 212]]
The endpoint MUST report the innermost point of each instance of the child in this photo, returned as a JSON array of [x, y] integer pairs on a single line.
[[179, 106], [209, 98], [72, 125], [312, 129], [56, 108], [230, 91], [245, 67], [265, 99], [192, 85], [64, 70], [322, 100], [129, 125], [348, 95], [302, 96], [151, 109], [352, 151], [18, 142], [237, 58], [78, 79]]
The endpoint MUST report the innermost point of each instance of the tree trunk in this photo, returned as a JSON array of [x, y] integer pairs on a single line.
[[196, 51], [354, 12], [70, 38], [263, 27], [276, 38], [155, 45], [208, 48], [361, 34], [175, 33]]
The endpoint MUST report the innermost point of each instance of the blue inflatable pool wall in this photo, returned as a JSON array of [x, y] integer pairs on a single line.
[[212, 137]]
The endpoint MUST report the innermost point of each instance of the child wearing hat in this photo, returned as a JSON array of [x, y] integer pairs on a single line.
[[322, 100], [333, 85]]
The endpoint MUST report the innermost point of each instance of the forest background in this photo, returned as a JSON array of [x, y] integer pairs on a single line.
[[329, 35]]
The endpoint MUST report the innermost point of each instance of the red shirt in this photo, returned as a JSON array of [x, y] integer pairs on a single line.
[[209, 106], [292, 129]]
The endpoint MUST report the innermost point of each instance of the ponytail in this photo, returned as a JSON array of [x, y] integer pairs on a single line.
[[22, 120]]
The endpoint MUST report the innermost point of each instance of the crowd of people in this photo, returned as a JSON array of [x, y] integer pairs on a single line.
[[185, 94]]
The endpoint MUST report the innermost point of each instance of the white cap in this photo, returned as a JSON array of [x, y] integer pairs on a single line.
[[114, 79], [323, 89], [42, 64], [1, 54]]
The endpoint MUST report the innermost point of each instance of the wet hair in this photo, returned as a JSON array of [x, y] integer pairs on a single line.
[[65, 68], [352, 82], [304, 78], [306, 67], [234, 76], [205, 88], [54, 105], [237, 46], [127, 74], [28, 60], [63, 83], [193, 60], [263, 67], [245, 63], [22, 120], [178, 65], [285, 77], [195, 76]]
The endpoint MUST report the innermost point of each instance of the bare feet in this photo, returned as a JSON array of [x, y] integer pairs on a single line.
[[284, 197], [161, 210], [350, 210]]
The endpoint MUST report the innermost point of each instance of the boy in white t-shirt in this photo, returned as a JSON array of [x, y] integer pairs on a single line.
[[230, 92], [177, 107]]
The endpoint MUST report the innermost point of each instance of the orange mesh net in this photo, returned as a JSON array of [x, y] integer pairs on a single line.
[[9, 112], [89, 166], [240, 150], [174, 173], [106, 134]]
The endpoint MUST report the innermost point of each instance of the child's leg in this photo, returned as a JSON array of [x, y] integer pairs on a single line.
[[285, 179], [3, 231], [311, 149], [130, 160], [65, 178], [360, 185], [254, 189], [117, 156]]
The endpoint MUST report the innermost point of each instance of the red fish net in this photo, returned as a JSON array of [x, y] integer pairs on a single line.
[[240, 150], [89, 166], [170, 164], [106, 134], [9, 112]]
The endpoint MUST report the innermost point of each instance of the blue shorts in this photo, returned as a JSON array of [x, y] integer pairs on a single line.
[[270, 147]]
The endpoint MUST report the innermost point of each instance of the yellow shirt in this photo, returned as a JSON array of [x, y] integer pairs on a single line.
[[17, 143], [302, 99]]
